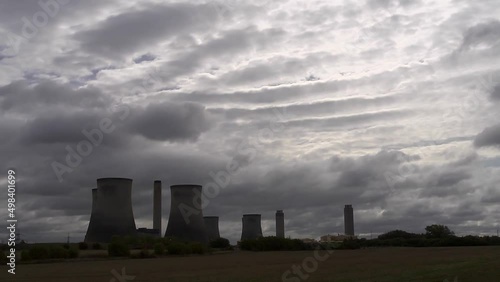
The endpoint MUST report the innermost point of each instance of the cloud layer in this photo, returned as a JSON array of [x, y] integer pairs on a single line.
[[306, 106]]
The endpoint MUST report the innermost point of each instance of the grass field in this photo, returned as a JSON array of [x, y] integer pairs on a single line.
[[381, 264]]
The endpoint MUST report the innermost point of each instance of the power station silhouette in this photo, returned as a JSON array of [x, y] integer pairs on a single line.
[[112, 215]]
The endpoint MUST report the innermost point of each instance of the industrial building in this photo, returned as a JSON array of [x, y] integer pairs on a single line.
[[212, 226], [280, 224], [112, 213], [251, 228], [348, 220], [186, 215]]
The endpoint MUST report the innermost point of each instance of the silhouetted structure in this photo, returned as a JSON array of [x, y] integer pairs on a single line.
[[280, 224], [157, 206], [252, 228], [186, 215], [349, 220], [212, 226], [91, 228], [112, 213]]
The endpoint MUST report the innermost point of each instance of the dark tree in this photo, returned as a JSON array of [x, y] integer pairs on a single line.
[[438, 231]]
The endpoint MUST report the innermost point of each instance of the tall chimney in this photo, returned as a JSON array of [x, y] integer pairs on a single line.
[[280, 224], [349, 220], [157, 206]]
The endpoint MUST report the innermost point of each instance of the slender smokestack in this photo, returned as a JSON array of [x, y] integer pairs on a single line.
[[280, 224], [349, 220], [252, 228], [157, 206]]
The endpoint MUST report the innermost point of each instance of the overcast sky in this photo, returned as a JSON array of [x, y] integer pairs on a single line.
[[388, 105]]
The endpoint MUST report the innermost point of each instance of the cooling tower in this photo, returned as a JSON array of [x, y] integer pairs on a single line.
[[112, 210], [92, 221], [349, 220], [212, 226], [280, 224], [251, 227], [157, 206], [186, 215]]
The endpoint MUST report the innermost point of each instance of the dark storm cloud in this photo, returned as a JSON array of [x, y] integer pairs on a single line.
[[170, 121], [150, 25], [20, 96], [488, 137], [316, 184], [448, 178], [59, 128], [484, 33]]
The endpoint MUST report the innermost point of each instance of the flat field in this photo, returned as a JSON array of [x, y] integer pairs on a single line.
[[461, 264]]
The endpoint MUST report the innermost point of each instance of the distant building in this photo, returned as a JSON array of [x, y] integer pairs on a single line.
[[349, 220]]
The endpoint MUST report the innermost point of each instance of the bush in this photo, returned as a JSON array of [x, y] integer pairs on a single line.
[[398, 234], [177, 248], [3, 258], [144, 253], [159, 249], [350, 244], [73, 253], [220, 243], [118, 249], [197, 248], [39, 252], [83, 246], [25, 255], [96, 246], [56, 252]]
